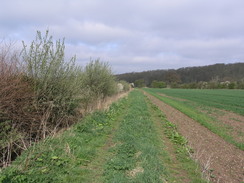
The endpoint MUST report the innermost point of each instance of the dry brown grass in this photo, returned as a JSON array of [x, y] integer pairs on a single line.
[[103, 103]]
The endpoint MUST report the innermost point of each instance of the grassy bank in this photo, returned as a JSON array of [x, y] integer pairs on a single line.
[[65, 157]]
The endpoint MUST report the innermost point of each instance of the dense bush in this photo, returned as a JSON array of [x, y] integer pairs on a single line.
[[126, 86], [158, 84], [55, 82], [98, 82]]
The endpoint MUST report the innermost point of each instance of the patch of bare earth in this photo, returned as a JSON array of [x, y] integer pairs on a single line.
[[224, 160], [135, 171], [233, 122]]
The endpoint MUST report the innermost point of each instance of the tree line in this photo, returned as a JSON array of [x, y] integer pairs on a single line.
[[212, 76]]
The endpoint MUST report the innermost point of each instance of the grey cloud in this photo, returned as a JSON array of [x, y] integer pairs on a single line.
[[134, 35]]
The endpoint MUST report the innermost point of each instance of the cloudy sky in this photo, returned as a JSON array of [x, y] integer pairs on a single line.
[[133, 35]]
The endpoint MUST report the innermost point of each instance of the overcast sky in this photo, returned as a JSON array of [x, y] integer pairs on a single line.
[[133, 35]]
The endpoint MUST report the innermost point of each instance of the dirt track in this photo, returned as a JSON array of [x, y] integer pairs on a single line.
[[223, 160]]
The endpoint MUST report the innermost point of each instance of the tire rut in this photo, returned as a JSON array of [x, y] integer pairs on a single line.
[[223, 160]]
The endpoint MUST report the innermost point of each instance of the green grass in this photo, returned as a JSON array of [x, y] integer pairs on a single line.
[[64, 158], [137, 147], [231, 100], [192, 112]]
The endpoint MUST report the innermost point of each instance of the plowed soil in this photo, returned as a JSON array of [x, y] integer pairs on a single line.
[[223, 161], [230, 120]]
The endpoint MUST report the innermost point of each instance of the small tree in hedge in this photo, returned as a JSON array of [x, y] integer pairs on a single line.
[[55, 82], [97, 81]]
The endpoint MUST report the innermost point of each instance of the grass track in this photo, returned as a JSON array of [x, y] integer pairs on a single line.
[[139, 154], [135, 158]]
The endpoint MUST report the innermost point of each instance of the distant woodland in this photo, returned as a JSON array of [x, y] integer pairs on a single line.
[[230, 76]]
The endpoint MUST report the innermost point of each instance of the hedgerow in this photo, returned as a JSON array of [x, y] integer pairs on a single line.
[[41, 92]]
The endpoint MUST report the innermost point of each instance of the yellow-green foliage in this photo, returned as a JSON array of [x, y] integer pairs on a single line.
[[126, 85], [97, 82]]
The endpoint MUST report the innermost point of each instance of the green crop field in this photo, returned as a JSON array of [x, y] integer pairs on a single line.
[[231, 100], [190, 103]]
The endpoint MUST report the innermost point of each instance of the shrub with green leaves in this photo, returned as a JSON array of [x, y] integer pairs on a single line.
[[56, 82], [126, 86], [158, 84], [140, 83], [98, 81]]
